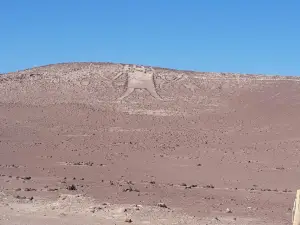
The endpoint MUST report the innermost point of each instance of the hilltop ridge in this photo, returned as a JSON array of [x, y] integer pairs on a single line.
[[82, 64], [81, 82]]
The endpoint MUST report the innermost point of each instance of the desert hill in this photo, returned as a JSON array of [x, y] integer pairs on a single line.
[[125, 134]]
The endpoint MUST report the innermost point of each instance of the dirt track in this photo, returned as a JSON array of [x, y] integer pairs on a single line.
[[214, 142]]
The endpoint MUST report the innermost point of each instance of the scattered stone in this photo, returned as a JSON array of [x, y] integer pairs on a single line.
[[26, 178], [217, 219], [52, 189], [137, 207], [29, 189], [18, 189], [20, 197], [72, 187], [209, 198], [63, 197], [130, 189], [228, 210], [162, 205], [83, 163], [265, 189], [129, 182], [95, 209], [209, 186], [128, 220], [191, 186]]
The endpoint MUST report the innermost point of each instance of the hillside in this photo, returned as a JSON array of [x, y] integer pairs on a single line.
[[199, 142]]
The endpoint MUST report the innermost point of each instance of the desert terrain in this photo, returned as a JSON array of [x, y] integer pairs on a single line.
[[103, 143]]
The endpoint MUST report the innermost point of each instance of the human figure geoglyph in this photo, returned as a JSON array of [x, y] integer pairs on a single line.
[[138, 78]]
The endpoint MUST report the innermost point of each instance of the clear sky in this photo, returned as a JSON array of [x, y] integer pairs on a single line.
[[245, 36]]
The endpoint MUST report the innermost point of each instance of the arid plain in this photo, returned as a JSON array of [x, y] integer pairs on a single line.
[[103, 143]]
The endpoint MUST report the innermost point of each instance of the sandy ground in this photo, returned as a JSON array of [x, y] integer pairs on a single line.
[[77, 210], [216, 149]]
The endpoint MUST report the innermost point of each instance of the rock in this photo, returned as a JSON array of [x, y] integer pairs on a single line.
[[228, 210], [130, 189], [209, 186], [128, 220], [52, 189], [95, 209], [72, 187], [191, 186], [29, 189], [20, 197], [162, 205]]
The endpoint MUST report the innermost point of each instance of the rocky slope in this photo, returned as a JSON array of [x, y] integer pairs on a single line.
[[211, 144]]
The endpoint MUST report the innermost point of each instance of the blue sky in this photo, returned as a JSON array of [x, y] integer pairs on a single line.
[[244, 36]]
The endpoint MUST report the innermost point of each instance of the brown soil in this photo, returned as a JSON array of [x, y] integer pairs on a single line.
[[218, 149]]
